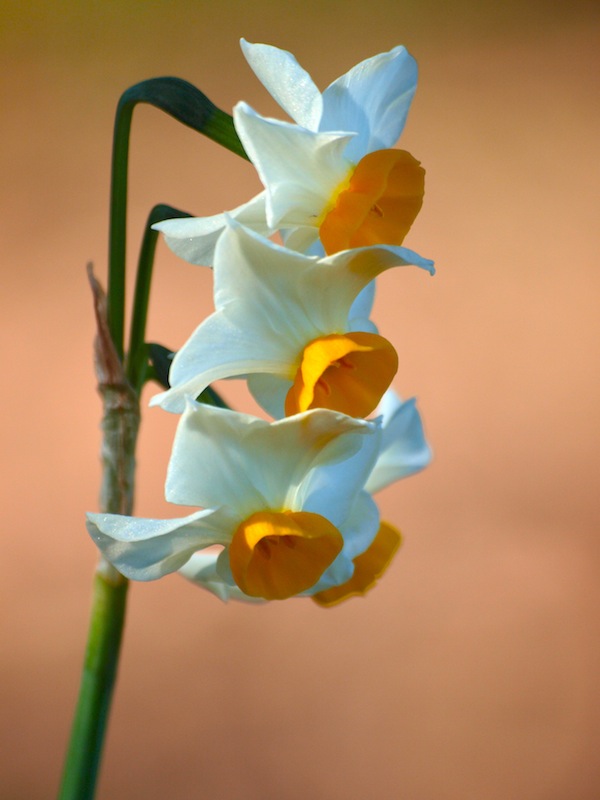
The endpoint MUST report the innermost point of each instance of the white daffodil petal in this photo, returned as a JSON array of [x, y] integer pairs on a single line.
[[373, 99], [201, 569], [194, 238], [360, 324], [270, 392], [330, 490], [300, 447], [358, 530], [220, 348], [404, 449], [363, 305], [361, 526], [286, 81], [258, 285], [297, 297], [147, 549], [209, 463], [340, 571], [304, 239], [389, 405], [299, 169], [224, 457]]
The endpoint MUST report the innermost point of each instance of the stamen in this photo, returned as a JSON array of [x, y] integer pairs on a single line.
[[323, 386], [288, 541], [264, 547]]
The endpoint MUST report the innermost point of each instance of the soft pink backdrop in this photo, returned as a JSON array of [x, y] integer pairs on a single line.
[[471, 671]]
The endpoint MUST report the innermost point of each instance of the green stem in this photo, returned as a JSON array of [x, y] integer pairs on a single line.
[[137, 355], [118, 225], [97, 681], [187, 105]]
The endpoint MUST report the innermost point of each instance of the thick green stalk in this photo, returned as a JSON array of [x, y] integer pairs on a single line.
[[97, 681]]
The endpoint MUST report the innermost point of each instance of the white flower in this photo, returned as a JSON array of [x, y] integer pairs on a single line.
[[288, 322], [403, 451], [331, 180], [284, 500]]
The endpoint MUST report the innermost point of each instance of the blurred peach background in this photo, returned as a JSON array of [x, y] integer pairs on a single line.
[[472, 670]]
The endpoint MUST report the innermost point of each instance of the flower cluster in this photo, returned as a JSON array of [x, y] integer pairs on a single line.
[[285, 507]]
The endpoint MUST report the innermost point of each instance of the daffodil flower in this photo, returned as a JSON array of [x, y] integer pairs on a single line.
[[284, 501], [284, 321], [403, 450], [331, 180]]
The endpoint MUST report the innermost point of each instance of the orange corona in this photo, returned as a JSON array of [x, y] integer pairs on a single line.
[[343, 372], [277, 554], [377, 204]]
